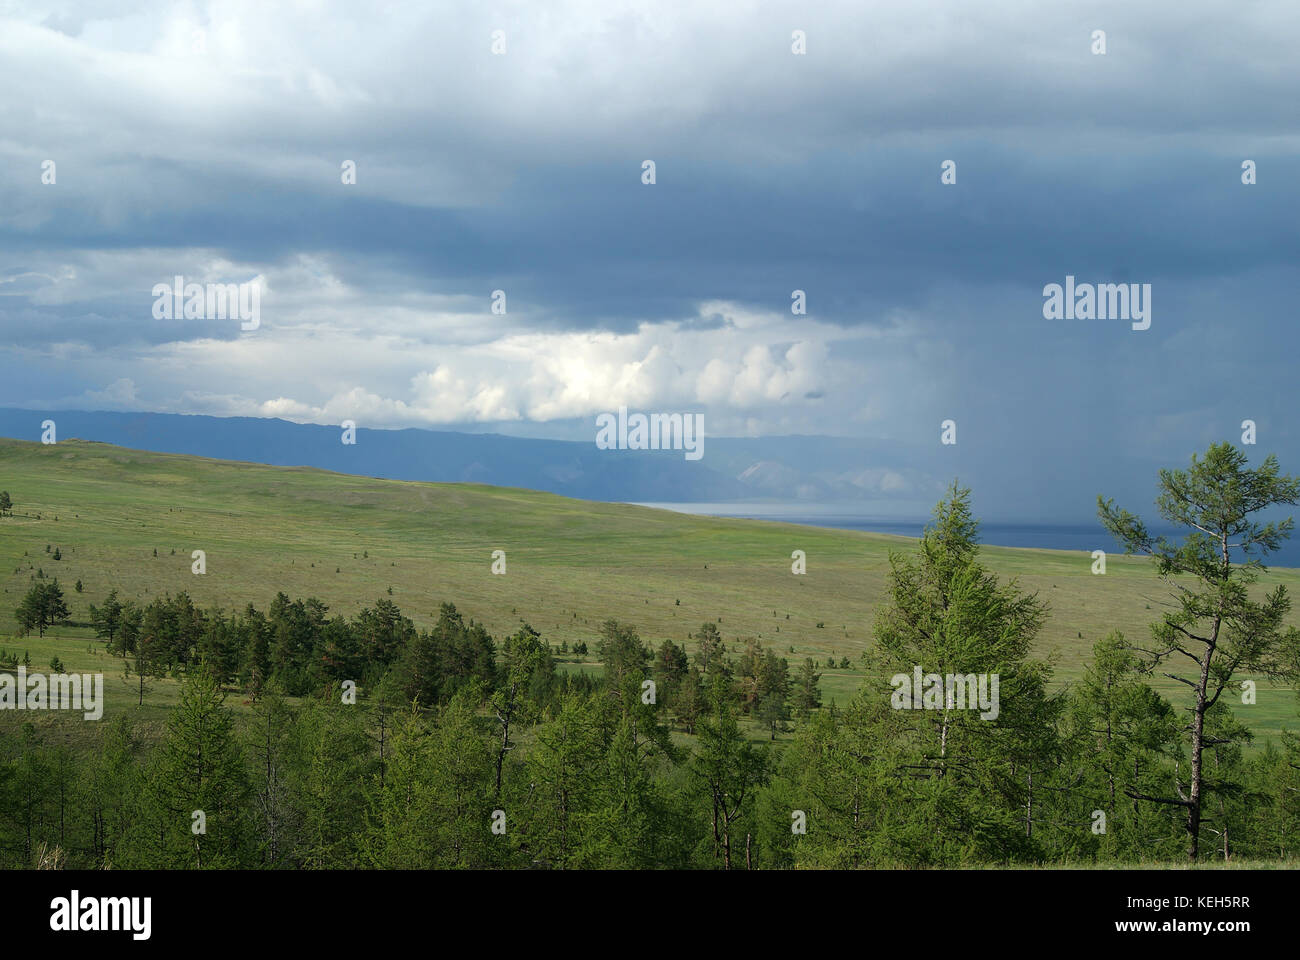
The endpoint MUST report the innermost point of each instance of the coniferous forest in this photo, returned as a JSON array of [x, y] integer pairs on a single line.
[[369, 743]]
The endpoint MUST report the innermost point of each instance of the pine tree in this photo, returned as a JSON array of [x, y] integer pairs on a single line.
[[948, 616], [332, 764], [28, 804], [709, 648], [146, 662], [807, 694], [525, 654], [671, 666], [729, 769], [1215, 630], [401, 833], [460, 776], [112, 796], [1124, 734], [562, 768], [622, 828], [841, 772], [199, 769], [269, 745], [625, 658], [690, 702], [773, 693], [255, 668], [43, 606], [107, 620]]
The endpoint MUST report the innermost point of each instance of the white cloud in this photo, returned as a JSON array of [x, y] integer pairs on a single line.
[[118, 395], [784, 374]]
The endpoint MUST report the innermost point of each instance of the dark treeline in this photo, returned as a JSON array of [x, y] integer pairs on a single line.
[[462, 752], [296, 648]]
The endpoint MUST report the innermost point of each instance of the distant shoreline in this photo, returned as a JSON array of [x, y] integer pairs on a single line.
[[1068, 537]]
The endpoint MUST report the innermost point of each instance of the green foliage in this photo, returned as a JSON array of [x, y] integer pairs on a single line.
[[729, 770], [806, 692], [196, 787], [453, 733], [42, 607], [1215, 625], [964, 776]]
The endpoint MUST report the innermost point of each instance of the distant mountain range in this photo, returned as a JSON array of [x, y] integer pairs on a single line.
[[879, 477]]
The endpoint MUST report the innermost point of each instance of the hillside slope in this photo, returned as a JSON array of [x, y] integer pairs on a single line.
[[569, 563]]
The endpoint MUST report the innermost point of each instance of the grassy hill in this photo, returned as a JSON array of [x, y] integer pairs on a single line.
[[570, 563]]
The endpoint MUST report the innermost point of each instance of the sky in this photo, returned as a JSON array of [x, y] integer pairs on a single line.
[[208, 140]]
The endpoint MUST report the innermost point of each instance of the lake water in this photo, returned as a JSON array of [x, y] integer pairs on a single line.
[[1084, 537]]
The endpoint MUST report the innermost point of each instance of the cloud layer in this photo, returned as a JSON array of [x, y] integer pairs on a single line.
[[207, 140]]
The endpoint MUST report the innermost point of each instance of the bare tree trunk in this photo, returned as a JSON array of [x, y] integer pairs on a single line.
[[943, 742], [501, 754], [716, 837], [1110, 772], [1135, 780], [726, 840], [1029, 806], [1198, 747], [382, 733]]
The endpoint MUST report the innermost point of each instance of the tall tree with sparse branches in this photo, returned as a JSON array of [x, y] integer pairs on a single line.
[[1215, 628]]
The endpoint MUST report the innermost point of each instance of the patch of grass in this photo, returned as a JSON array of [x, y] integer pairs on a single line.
[[570, 563]]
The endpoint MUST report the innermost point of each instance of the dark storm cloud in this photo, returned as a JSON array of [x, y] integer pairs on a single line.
[[773, 173]]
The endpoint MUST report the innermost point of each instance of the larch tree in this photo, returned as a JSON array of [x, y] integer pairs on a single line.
[[198, 785], [1216, 629]]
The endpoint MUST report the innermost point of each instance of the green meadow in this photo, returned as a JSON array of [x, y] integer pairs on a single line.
[[570, 564]]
